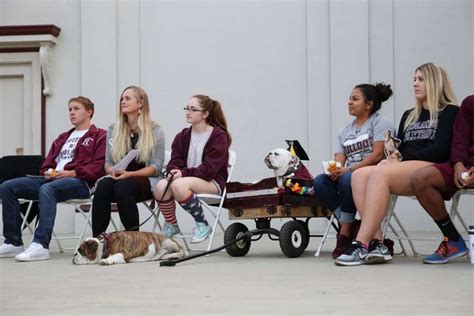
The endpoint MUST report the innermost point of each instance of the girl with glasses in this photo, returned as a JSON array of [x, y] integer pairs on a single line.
[[198, 164]]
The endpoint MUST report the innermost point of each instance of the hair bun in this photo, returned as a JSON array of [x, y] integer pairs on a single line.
[[383, 90]]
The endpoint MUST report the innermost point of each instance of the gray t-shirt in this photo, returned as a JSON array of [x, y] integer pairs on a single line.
[[156, 160], [196, 148], [356, 142]]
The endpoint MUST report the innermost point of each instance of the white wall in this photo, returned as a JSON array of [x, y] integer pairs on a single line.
[[282, 69]]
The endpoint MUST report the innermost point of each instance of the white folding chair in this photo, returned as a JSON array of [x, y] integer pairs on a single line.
[[213, 200], [24, 223], [153, 207], [391, 214], [453, 213], [83, 207], [55, 237], [208, 200], [332, 222], [404, 234], [387, 224]]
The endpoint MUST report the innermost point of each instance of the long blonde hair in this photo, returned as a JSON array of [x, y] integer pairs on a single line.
[[439, 93], [121, 134]]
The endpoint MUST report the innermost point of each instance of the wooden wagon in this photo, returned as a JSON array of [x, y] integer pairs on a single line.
[[262, 202]]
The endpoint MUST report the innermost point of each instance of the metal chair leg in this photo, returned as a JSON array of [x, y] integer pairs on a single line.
[[325, 236]]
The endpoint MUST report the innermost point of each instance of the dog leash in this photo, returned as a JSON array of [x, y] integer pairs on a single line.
[[247, 235], [161, 200]]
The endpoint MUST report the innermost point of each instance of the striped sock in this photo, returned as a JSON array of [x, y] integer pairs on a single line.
[[192, 205], [168, 209]]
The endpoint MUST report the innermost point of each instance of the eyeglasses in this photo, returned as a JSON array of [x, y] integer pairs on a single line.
[[192, 109]]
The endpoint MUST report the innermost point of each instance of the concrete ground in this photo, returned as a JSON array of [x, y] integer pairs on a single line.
[[263, 282]]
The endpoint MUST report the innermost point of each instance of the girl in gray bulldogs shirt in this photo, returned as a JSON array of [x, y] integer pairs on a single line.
[[359, 144]]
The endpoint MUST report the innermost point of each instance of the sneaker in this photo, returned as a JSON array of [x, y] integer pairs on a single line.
[[200, 232], [378, 253], [169, 230], [10, 251], [34, 252], [447, 251], [353, 256], [343, 242]]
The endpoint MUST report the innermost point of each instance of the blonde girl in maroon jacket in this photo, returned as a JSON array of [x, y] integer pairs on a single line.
[[198, 165]]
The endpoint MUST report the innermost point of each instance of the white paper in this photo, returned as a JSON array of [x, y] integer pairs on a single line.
[[123, 164], [326, 165]]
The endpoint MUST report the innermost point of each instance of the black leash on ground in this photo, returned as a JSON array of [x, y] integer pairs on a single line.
[[161, 200], [247, 235]]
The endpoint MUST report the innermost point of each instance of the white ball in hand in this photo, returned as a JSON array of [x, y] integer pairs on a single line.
[[51, 172], [465, 176]]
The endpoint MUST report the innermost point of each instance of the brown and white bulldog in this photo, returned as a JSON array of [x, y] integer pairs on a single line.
[[127, 246]]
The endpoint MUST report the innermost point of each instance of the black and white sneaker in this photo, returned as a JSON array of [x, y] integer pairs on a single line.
[[354, 255], [378, 253]]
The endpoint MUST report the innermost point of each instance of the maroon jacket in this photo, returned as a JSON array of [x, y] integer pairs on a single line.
[[89, 156], [462, 146], [214, 157]]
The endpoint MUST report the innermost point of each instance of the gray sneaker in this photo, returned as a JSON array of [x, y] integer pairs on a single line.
[[354, 255], [169, 230], [378, 253]]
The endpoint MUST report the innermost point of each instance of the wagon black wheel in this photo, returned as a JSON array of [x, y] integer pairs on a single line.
[[240, 248], [293, 239], [306, 229]]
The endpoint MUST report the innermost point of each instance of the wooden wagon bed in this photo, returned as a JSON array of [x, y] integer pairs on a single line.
[[262, 202]]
